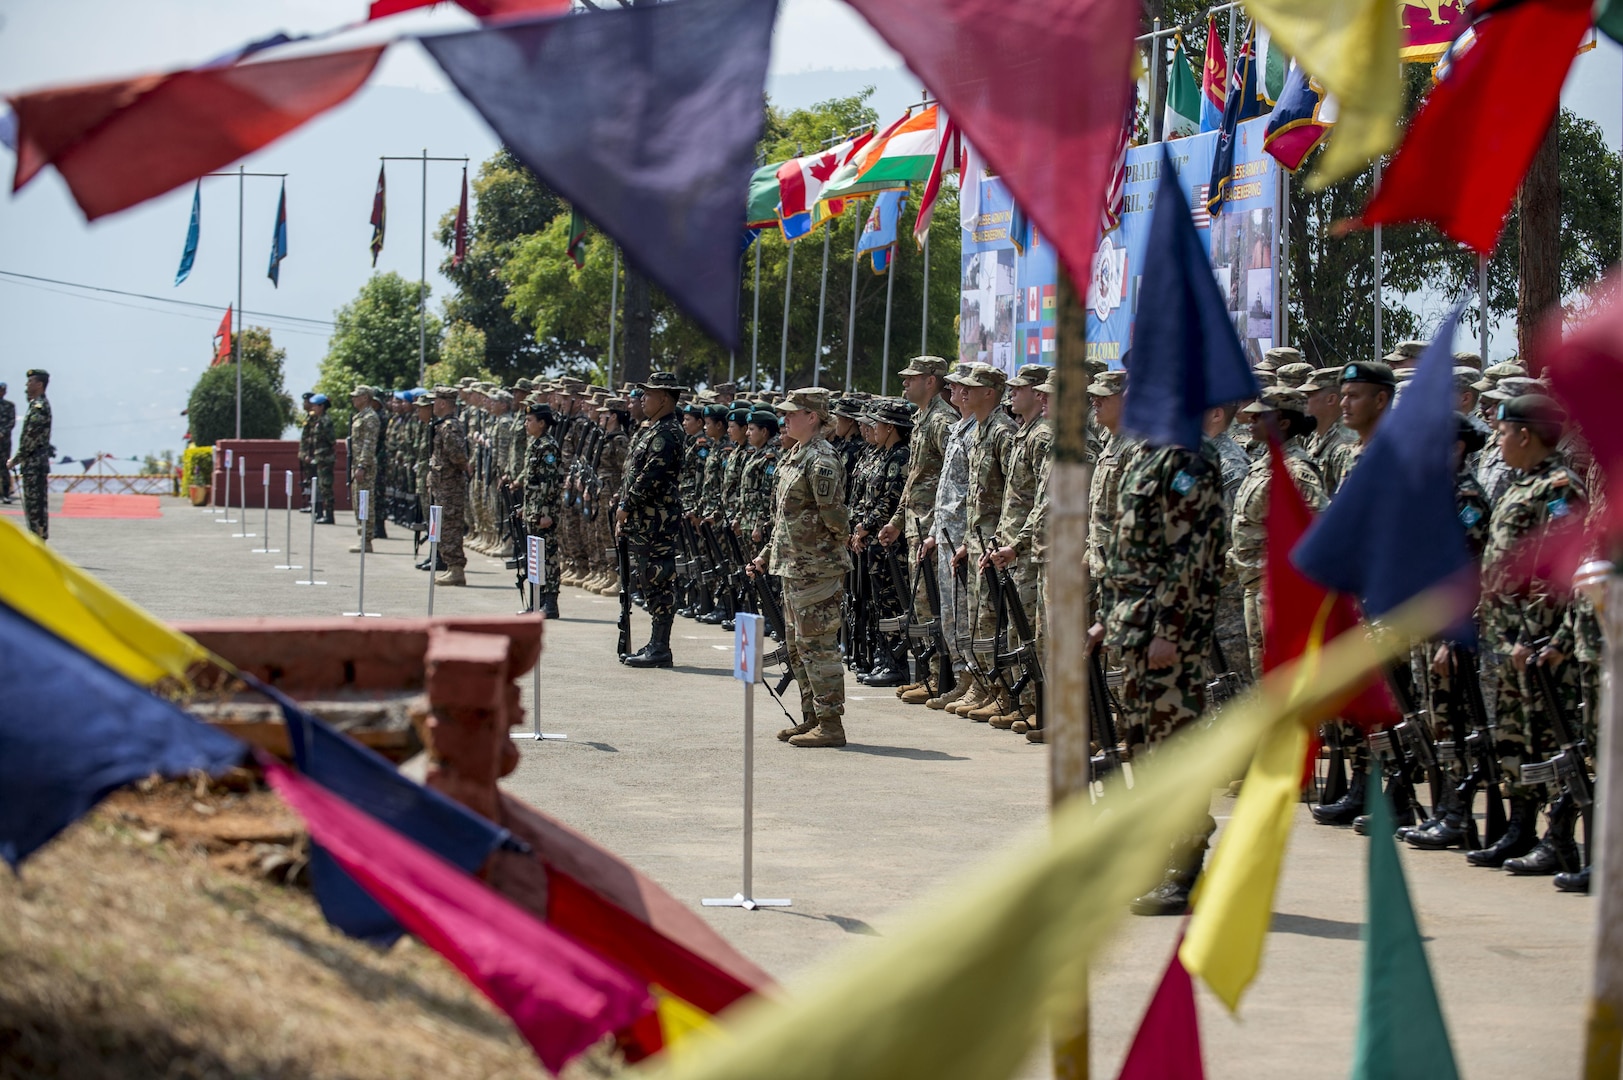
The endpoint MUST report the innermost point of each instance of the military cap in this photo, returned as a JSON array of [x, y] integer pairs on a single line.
[[1278, 357], [715, 411], [1030, 375], [985, 376], [894, 413], [1294, 374], [617, 404], [738, 414], [1266, 378], [724, 388], [1495, 394], [307, 395], [958, 375], [361, 390], [540, 410], [1519, 385], [1471, 431], [807, 399], [1506, 369], [445, 393], [663, 380], [1108, 383], [1533, 409], [1405, 351], [1369, 371], [38, 373], [764, 417], [318, 399], [1468, 359], [1277, 399], [571, 384], [1324, 378], [465, 381], [1465, 378], [846, 406], [523, 382], [1049, 385], [1094, 366], [926, 365], [424, 400]]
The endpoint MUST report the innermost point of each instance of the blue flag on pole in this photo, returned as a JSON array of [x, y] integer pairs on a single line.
[[189, 255], [365, 779], [73, 730], [879, 231], [279, 239], [1393, 530], [1243, 103], [1188, 358], [646, 118]]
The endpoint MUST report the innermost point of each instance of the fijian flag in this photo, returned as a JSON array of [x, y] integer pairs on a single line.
[[378, 215], [1301, 119], [278, 239]]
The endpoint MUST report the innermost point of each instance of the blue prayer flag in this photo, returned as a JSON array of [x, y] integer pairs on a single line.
[[1393, 530], [279, 239], [646, 118], [73, 730], [1244, 103], [367, 780], [1188, 358], [189, 255]]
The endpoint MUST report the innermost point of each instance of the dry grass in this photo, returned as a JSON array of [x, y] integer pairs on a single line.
[[130, 947]]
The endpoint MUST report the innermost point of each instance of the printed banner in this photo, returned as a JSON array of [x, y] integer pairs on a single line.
[[1006, 312]]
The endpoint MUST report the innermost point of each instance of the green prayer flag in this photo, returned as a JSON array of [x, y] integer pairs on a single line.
[[1182, 117], [1609, 18], [1401, 1034]]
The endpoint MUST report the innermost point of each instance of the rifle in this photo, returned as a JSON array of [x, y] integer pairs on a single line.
[[622, 552], [594, 480], [1397, 748], [776, 627], [1102, 710], [998, 644], [1225, 684], [930, 630], [718, 559], [740, 579], [1023, 656], [1479, 762], [1567, 769]]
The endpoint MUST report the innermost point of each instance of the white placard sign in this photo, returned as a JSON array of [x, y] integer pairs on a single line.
[[362, 506], [288, 484], [433, 524], [228, 458], [747, 631], [535, 557], [242, 468]]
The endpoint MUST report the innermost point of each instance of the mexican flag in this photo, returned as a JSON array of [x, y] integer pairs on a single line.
[[1182, 117], [902, 154]]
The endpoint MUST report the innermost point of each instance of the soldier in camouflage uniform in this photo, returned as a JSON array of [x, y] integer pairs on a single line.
[[756, 485], [883, 484], [649, 509], [732, 482], [364, 428], [323, 457], [423, 449], [1522, 615], [449, 466], [611, 467], [8, 423], [988, 474], [947, 532], [808, 552], [1323, 393], [542, 485], [1032, 540], [33, 458]]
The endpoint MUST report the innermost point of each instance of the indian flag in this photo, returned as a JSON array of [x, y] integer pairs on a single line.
[[902, 154]]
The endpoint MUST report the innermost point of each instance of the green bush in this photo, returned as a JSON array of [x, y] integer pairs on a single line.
[[213, 406]]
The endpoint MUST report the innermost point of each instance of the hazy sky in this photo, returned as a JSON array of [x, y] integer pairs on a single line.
[[122, 366]]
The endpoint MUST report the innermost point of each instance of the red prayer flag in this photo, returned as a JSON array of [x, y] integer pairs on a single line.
[[1046, 125], [222, 339], [120, 143], [485, 9], [1475, 135], [459, 232], [1167, 1046], [562, 996]]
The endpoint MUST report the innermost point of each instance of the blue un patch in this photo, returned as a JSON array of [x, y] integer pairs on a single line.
[[1557, 508], [1470, 515], [1183, 483]]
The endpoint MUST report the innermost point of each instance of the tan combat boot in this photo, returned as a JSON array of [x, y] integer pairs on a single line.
[[953, 695], [799, 729], [611, 586], [358, 548], [905, 687], [1027, 721], [452, 576], [996, 704], [827, 733], [918, 695], [974, 698]]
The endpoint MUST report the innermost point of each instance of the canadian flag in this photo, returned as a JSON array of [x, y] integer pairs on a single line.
[[801, 180]]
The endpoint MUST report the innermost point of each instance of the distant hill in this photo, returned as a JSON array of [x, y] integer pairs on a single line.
[[894, 88]]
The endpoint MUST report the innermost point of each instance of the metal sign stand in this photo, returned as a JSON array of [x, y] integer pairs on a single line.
[[315, 512], [228, 519], [288, 485], [747, 631], [536, 550], [433, 552], [363, 510], [242, 500], [265, 488]]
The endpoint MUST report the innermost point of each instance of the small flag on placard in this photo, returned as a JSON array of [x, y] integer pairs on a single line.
[[188, 255], [279, 239], [379, 215]]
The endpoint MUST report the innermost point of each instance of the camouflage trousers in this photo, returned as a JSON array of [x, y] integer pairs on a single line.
[[364, 481], [36, 505], [1522, 730], [1155, 703], [452, 501], [954, 608], [324, 486], [1027, 583], [549, 560], [812, 619], [5, 469], [982, 604], [1251, 615], [653, 556]]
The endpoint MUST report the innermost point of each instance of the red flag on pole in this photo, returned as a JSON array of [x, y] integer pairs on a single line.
[[222, 339], [484, 9], [459, 248], [379, 215], [1475, 135], [123, 142]]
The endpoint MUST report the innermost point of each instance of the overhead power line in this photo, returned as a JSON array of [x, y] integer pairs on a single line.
[[301, 319]]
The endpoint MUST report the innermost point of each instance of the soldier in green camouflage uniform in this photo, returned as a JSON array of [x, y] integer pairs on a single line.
[[883, 483], [364, 428], [947, 532], [810, 533], [448, 484], [756, 485], [988, 474], [33, 458], [542, 485], [8, 423], [323, 457], [1032, 539], [649, 509], [423, 450], [611, 467]]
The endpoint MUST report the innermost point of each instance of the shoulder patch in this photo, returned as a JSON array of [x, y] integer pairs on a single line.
[[550, 458], [1558, 508], [704, 452], [771, 468], [1470, 515], [1183, 483]]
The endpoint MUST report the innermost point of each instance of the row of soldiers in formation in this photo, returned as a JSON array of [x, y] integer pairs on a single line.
[[32, 461]]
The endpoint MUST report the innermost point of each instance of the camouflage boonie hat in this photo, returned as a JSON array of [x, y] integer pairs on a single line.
[[445, 393], [1108, 383], [1277, 399], [523, 383], [1096, 366], [807, 399], [1324, 378], [1505, 369], [1468, 359], [926, 365], [1294, 375], [1278, 357], [1404, 351], [986, 377], [465, 381], [425, 399], [847, 406], [663, 380], [362, 390], [893, 413], [724, 388], [1030, 375]]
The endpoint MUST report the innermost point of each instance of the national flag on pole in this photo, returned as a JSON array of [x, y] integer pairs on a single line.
[[459, 230], [278, 239], [1609, 19], [188, 254], [1182, 116], [1118, 175], [1243, 104], [762, 209], [577, 237], [793, 228], [946, 156], [1214, 79], [879, 231], [1471, 142], [1273, 64], [899, 155], [801, 179], [971, 171], [380, 214], [1301, 120], [1427, 31], [484, 9], [222, 339]]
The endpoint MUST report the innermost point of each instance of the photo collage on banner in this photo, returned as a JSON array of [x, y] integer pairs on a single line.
[[1006, 313]]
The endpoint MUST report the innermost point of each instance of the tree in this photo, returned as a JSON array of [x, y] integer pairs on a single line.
[[258, 351], [162, 464], [462, 355], [212, 408], [375, 341]]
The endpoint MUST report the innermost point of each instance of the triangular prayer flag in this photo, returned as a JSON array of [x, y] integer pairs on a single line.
[[1167, 1046], [380, 215], [222, 339], [1182, 116], [1401, 1031], [459, 229], [1047, 125], [120, 143], [1393, 530], [1190, 359], [562, 996], [646, 118], [1474, 137], [279, 239], [188, 254], [73, 730]]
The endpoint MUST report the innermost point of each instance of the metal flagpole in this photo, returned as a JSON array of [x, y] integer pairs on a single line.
[[1379, 300], [924, 313], [422, 269], [822, 298], [614, 307], [1154, 50], [783, 352], [242, 181], [890, 291], [851, 314], [1274, 250], [1482, 305], [535, 562], [1282, 294], [755, 322]]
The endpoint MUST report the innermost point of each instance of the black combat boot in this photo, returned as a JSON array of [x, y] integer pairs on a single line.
[[657, 653], [1347, 808], [886, 671], [325, 518], [1521, 834], [549, 605], [1171, 897], [1575, 882], [379, 532], [1557, 852]]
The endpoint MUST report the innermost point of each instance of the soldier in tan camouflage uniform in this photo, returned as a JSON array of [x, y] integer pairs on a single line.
[[810, 532], [947, 531], [1323, 404], [363, 463]]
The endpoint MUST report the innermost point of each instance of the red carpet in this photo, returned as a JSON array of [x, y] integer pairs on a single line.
[[78, 505]]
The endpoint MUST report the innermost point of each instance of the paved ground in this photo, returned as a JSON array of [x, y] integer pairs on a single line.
[[860, 837]]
